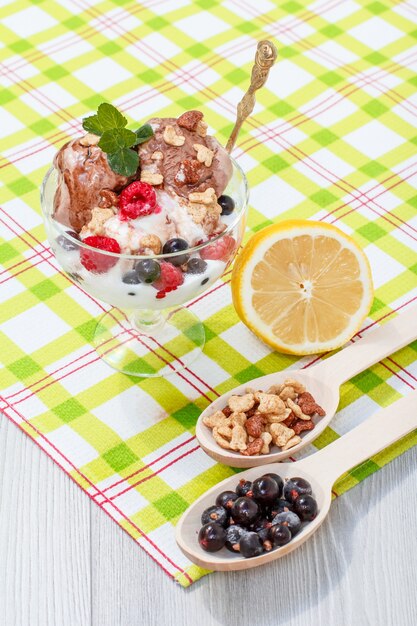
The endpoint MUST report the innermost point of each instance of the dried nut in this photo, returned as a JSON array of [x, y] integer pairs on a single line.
[[201, 128], [281, 434], [276, 389], [221, 441], [190, 119], [204, 208], [254, 447], [266, 438], [308, 405], [288, 392], [299, 387], [238, 419], [157, 155], [215, 420], [294, 441], [171, 137], [151, 178], [189, 172], [151, 244], [239, 438], [207, 197], [211, 218], [269, 403], [227, 411], [198, 212], [96, 224], [89, 140], [297, 410], [252, 411], [241, 403], [301, 425], [272, 418], [204, 154], [225, 431], [107, 199], [254, 425], [291, 420]]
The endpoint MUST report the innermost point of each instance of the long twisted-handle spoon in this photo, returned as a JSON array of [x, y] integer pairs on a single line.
[[266, 54]]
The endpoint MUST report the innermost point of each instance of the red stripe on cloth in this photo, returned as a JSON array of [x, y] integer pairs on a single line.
[[26, 86], [396, 374], [146, 478], [379, 184], [25, 269], [402, 368], [377, 196], [25, 260], [148, 465], [33, 391]]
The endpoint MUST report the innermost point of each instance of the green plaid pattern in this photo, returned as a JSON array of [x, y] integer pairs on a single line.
[[333, 137]]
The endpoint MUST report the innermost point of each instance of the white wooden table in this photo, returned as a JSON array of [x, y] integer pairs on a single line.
[[64, 563]]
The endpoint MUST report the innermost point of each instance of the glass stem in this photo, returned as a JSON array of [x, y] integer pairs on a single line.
[[147, 321]]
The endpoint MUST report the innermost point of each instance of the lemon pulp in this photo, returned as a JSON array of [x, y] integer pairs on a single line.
[[302, 286]]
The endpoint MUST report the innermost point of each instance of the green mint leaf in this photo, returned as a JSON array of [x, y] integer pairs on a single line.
[[116, 139], [109, 117], [124, 161], [144, 133], [92, 125]]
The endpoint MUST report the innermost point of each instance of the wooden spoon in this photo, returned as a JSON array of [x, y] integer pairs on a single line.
[[320, 469], [322, 380]]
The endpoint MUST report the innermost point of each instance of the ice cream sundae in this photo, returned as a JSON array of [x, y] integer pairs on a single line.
[[149, 208], [147, 220]]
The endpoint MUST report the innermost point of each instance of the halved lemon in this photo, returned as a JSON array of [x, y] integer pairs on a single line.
[[303, 287]]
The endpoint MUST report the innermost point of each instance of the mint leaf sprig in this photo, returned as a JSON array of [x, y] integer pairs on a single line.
[[116, 140]]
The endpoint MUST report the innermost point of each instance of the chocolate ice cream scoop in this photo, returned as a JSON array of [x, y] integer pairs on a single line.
[[83, 172], [188, 159]]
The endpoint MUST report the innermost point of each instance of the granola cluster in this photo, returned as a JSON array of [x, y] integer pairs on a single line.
[[253, 422]]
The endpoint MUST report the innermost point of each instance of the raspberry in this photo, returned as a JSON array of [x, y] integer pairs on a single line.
[[95, 261], [171, 277], [136, 200], [220, 250]]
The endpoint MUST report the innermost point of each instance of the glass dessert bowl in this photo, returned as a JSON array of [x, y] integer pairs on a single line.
[[148, 332]]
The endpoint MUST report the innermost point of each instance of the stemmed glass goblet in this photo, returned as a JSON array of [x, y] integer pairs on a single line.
[[146, 333]]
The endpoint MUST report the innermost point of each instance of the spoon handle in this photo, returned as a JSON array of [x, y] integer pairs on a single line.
[[266, 53], [378, 432], [372, 348]]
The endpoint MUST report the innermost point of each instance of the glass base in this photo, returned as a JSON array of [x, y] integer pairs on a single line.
[[149, 343]]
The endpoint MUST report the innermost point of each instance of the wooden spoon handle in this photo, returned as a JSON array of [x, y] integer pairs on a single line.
[[378, 432], [372, 348], [266, 53]]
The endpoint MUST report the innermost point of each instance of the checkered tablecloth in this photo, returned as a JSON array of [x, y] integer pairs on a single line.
[[332, 138]]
